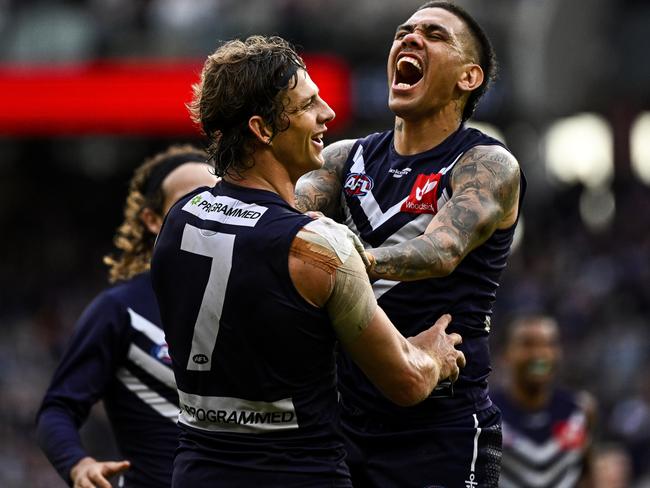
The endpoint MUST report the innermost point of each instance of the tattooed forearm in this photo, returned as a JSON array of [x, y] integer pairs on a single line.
[[320, 190], [423, 257], [436, 253], [485, 187]]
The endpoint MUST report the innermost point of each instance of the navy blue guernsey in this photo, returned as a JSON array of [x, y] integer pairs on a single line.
[[542, 448], [117, 354], [388, 199], [253, 360]]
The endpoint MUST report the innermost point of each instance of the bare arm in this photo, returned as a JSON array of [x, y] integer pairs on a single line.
[[334, 277], [320, 190], [485, 184]]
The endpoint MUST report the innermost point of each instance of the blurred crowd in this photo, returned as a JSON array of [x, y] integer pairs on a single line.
[[60, 200]]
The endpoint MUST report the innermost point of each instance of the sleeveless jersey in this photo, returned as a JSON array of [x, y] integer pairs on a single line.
[[388, 199], [543, 448], [117, 354], [253, 360]]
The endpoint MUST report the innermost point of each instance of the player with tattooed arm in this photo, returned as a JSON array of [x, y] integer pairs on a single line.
[[254, 294], [435, 203]]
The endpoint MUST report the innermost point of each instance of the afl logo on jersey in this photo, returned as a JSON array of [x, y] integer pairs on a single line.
[[358, 184], [161, 353], [200, 358]]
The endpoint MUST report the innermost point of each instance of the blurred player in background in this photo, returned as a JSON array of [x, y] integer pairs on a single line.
[[547, 430], [613, 467], [436, 205], [118, 352], [254, 294]]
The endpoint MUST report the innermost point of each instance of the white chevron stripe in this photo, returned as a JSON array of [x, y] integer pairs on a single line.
[[380, 287], [148, 328], [375, 215], [538, 454], [538, 479], [476, 436], [151, 398], [155, 368], [357, 161]]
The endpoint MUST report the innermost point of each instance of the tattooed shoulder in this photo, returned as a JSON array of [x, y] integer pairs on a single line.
[[336, 154], [490, 170], [320, 189]]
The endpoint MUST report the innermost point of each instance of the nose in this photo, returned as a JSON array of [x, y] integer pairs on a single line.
[[327, 114], [412, 39]]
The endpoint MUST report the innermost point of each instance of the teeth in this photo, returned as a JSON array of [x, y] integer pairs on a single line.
[[413, 61], [403, 85]]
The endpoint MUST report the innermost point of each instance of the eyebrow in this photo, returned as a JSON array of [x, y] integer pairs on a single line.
[[302, 102], [428, 28]]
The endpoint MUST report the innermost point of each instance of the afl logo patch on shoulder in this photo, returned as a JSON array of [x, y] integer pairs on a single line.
[[358, 184]]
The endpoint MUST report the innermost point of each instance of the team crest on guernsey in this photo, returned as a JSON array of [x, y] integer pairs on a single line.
[[358, 184], [424, 195], [161, 353]]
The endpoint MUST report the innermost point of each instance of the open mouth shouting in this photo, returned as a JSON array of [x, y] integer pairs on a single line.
[[408, 72]]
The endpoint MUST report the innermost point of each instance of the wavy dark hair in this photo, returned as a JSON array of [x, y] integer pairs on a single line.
[[486, 56], [239, 80]]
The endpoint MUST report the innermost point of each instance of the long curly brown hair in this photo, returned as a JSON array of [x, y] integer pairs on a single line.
[[132, 239]]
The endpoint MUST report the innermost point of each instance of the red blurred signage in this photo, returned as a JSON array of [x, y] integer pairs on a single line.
[[127, 97]]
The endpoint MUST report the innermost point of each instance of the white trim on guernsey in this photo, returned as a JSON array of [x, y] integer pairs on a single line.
[[352, 226], [151, 365], [539, 454], [227, 414], [151, 398], [538, 479], [376, 217], [446, 169], [357, 161], [380, 287], [411, 230], [148, 328], [476, 436]]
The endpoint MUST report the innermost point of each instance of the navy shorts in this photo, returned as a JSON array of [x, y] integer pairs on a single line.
[[461, 453], [190, 471]]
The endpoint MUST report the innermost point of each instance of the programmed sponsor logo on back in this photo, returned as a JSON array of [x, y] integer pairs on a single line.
[[224, 209]]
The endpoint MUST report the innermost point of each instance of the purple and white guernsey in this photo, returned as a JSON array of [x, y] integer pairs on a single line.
[[388, 199]]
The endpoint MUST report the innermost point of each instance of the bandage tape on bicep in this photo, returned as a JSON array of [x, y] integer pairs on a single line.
[[352, 303]]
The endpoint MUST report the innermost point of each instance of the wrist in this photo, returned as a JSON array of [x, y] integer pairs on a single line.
[[79, 465]]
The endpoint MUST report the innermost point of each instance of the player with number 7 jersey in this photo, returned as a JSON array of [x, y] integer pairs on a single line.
[[254, 295]]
